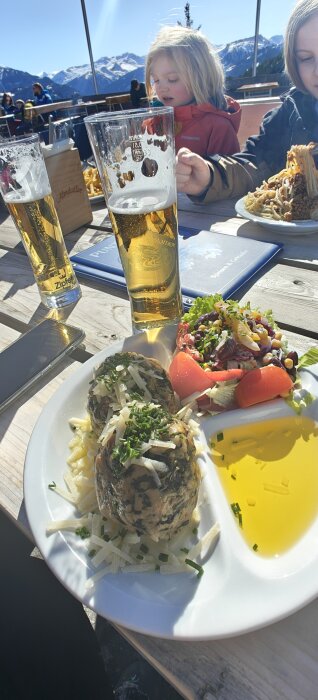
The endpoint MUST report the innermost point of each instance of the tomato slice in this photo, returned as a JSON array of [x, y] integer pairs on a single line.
[[188, 377], [262, 384]]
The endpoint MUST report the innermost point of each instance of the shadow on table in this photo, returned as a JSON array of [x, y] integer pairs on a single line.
[[298, 248]]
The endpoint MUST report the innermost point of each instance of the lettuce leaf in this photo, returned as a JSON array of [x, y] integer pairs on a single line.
[[309, 358], [200, 306]]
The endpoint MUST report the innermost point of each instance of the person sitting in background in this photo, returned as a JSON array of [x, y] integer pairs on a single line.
[[7, 105], [137, 91], [187, 74], [294, 122], [41, 96], [19, 110], [18, 118]]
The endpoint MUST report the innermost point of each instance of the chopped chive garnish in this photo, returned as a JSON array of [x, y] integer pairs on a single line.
[[233, 477], [237, 513], [139, 556], [213, 444], [219, 437], [255, 547], [195, 531], [185, 550], [144, 548], [195, 566], [163, 557], [106, 537], [102, 531], [82, 532], [52, 485], [92, 553], [222, 458], [157, 567]]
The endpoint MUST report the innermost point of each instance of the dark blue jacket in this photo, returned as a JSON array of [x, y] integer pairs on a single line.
[[294, 122], [43, 99]]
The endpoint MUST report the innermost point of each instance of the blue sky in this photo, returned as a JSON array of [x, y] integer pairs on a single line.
[[50, 35]]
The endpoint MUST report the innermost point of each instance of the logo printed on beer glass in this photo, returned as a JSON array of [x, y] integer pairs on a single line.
[[136, 149]]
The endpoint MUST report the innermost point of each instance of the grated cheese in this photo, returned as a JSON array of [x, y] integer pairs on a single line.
[[133, 371]]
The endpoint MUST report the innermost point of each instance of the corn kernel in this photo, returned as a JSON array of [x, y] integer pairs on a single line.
[[278, 335], [276, 343], [288, 363], [217, 323], [267, 358], [202, 327], [255, 337]]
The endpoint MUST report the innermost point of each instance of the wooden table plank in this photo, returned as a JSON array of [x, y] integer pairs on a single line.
[[105, 317], [106, 314], [16, 425], [276, 663]]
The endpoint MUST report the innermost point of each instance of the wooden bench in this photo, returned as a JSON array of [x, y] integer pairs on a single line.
[[259, 89]]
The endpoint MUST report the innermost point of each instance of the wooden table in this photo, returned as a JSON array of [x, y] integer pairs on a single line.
[[48, 107], [275, 663], [118, 100]]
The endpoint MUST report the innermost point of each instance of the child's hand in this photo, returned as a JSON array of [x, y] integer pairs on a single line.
[[193, 173]]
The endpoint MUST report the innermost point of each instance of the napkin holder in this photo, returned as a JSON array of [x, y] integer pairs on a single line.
[[69, 192]]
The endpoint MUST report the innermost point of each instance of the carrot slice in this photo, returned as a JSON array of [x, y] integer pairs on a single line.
[[262, 384], [188, 377]]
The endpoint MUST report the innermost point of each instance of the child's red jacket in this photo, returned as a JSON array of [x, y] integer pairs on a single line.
[[206, 130]]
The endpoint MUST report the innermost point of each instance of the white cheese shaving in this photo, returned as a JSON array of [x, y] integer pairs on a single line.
[[133, 371]]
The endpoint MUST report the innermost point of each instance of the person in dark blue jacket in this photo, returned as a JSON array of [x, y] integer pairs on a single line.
[[41, 96], [294, 122]]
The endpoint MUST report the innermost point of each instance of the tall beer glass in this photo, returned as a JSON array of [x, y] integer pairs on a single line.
[[135, 155], [26, 191]]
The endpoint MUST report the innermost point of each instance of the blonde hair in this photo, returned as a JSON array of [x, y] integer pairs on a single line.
[[302, 12], [198, 64]]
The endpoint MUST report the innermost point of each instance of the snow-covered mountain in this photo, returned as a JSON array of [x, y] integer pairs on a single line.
[[238, 55], [108, 71], [115, 74]]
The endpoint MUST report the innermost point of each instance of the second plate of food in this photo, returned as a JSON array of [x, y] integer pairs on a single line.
[[292, 228]]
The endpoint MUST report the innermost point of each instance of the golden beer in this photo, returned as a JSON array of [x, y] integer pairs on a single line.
[[148, 248], [41, 234]]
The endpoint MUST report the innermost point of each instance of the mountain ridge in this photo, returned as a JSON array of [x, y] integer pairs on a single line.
[[114, 74]]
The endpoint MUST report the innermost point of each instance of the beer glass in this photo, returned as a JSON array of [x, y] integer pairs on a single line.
[[26, 191], [135, 154]]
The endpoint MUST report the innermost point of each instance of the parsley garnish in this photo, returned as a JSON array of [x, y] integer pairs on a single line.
[[144, 423], [83, 533], [255, 547]]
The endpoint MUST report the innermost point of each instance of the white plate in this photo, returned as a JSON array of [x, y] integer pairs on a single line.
[[292, 228], [239, 591]]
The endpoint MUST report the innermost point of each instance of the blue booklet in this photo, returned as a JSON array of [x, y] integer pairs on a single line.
[[210, 262]]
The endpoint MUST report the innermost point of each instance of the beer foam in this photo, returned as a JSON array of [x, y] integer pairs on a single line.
[[26, 175], [14, 198], [138, 201]]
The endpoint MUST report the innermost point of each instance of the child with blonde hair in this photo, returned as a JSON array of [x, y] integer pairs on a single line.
[[294, 122], [187, 74]]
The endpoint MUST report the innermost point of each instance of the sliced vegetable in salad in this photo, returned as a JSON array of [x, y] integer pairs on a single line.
[[231, 355]]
